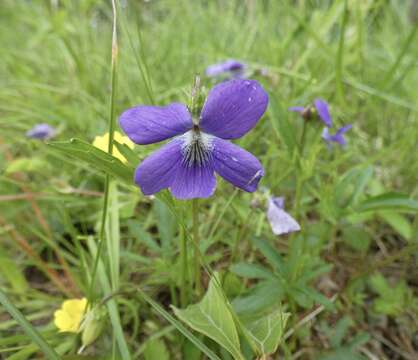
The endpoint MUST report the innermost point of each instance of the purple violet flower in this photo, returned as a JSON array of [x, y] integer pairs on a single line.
[[234, 68], [200, 148], [280, 221], [338, 137], [41, 132], [322, 109]]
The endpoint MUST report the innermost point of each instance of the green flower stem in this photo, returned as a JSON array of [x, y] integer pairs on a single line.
[[109, 150], [198, 283], [184, 269], [300, 180]]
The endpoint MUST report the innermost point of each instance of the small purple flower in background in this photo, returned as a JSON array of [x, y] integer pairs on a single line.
[[280, 221], [233, 68], [200, 148], [338, 137], [41, 132], [321, 107]]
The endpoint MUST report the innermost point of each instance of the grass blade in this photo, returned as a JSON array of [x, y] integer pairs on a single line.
[[28, 328]]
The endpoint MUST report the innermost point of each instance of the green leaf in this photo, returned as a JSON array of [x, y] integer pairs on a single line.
[[34, 164], [156, 349], [11, 272], [271, 254], [398, 222], [127, 153], [267, 332], [252, 271], [192, 338], [357, 238], [392, 300], [212, 317], [389, 201], [166, 224], [260, 297], [95, 157]]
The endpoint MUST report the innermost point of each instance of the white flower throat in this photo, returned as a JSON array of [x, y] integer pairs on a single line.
[[196, 147]]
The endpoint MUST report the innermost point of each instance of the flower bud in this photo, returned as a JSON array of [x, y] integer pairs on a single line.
[[92, 326]]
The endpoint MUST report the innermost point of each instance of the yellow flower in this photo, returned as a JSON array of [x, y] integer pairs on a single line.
[[102, 143], [68, 318]]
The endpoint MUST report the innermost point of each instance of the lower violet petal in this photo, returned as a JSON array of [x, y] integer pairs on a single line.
[[157, 171], [193, 181], [236, 165]]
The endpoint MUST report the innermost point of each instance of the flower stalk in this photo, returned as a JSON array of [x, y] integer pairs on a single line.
[[198, 280], [109, 150]]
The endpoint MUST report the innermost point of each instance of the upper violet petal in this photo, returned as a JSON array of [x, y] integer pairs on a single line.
[[193, 181], [150, 124], [323, 111], [42, 132], [157, 171], [236, 165], [231, 66], [233, 108]]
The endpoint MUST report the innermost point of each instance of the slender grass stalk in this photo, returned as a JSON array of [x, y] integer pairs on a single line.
[[111, 304], [222, 213], [28, 328], [340, 53], [392, 70], [109, 150], [113, 235], [139, 55], [197, 255], [239, 235], [303, 138], [300, 180]]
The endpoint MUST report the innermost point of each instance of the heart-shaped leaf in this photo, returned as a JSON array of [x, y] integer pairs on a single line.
[[212, 317]]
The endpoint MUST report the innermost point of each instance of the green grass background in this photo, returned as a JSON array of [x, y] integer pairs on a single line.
[[55, 68]]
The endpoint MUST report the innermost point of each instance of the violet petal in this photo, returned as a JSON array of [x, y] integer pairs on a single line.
[[278, 201], [151, 124], [280, 221], [236, 165], [233, 108], [298, 109], [157, 171], [229, 66], [338, 137], [41, 131], [323, 111], [193, 181]]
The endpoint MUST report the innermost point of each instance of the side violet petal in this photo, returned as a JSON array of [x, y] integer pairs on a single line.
[[323, 111], [158, 170], [150, 124], [298, 109], [280, 221], [194, 181], [236, 165], [233, 108]]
